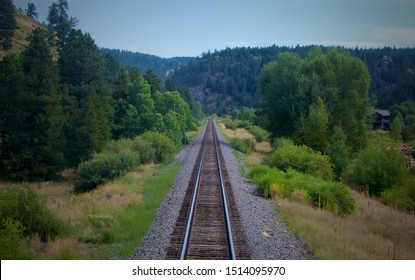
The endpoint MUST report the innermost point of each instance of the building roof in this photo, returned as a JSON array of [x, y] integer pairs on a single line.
[[383, 112]]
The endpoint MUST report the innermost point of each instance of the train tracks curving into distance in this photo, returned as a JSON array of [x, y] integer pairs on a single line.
[[208, 225]]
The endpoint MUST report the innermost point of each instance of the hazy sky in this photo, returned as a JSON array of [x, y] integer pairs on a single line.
[[191, 27]]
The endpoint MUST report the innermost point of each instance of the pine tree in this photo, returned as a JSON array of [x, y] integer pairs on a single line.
[[60, 23], [33, 117], [82, 71], [46, 125], [31, 10], [13, 117], [7, 23]]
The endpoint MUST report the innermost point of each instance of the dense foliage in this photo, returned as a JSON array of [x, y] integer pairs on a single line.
[[311, 96], [57, 114], [378, 167]]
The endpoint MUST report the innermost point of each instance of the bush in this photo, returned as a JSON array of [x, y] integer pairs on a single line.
[[329, 195], [145, 149], [302, 159], [401, 197], [163, 146], [243, 145], [259, 133], [27, 208], [377, 168], [230, 124], [11, 233], [281, 142], [104, 167]]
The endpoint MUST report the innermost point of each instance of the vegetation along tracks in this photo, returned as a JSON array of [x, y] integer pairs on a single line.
[[208, 225]]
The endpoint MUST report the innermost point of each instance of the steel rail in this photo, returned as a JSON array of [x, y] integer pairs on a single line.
[[225, 204], [193, 204]]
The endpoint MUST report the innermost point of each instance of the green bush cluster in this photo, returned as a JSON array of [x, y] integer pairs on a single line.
[[300, 158], [23, 211], [378, 167], [401, 197], [321, 193], [104, 167], [122, 156], [243, 145], [11, 233], [259, 133], [164, 148], [234, 124]]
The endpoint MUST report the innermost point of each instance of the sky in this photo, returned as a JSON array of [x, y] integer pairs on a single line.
[[169, 28]]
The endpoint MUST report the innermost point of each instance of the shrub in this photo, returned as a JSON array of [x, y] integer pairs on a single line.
[[163, 146], [11, 233], [281, 142], [329, 195], [27, 208], [301, 158], [145, 149], [230, 124], [104, 167], [243, 145], [377, 168], [259, 133], [401, 197]]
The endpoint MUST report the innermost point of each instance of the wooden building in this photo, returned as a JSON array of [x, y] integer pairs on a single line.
[[381, 119]]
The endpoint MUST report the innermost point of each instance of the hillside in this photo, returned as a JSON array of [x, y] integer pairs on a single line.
[[162, 66], [226, 79], [25, 26]]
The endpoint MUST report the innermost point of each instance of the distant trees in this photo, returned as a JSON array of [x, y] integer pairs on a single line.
[[31, 10], [227, 79], [7, 23]]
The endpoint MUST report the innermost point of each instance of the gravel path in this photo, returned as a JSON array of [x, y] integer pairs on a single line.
[[268, 238]]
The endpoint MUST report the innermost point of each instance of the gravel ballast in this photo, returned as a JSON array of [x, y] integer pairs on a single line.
[[267, 237]]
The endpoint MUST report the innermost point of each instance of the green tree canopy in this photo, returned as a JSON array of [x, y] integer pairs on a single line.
[[281, 83]]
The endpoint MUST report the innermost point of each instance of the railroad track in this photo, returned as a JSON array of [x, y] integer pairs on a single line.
[[208, 225]]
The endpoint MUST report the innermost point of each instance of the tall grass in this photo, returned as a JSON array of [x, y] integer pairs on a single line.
[[373, 231], [106, 223], [136, 220]]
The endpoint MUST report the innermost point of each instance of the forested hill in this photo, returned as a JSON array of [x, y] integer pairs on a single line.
[[161, 66], [226, 79]]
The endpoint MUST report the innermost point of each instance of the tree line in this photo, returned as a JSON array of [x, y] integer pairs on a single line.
[[227, 79], [55, 114], [163, 67]]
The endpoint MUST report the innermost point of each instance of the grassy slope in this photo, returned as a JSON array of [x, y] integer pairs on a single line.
[[25, 26]]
